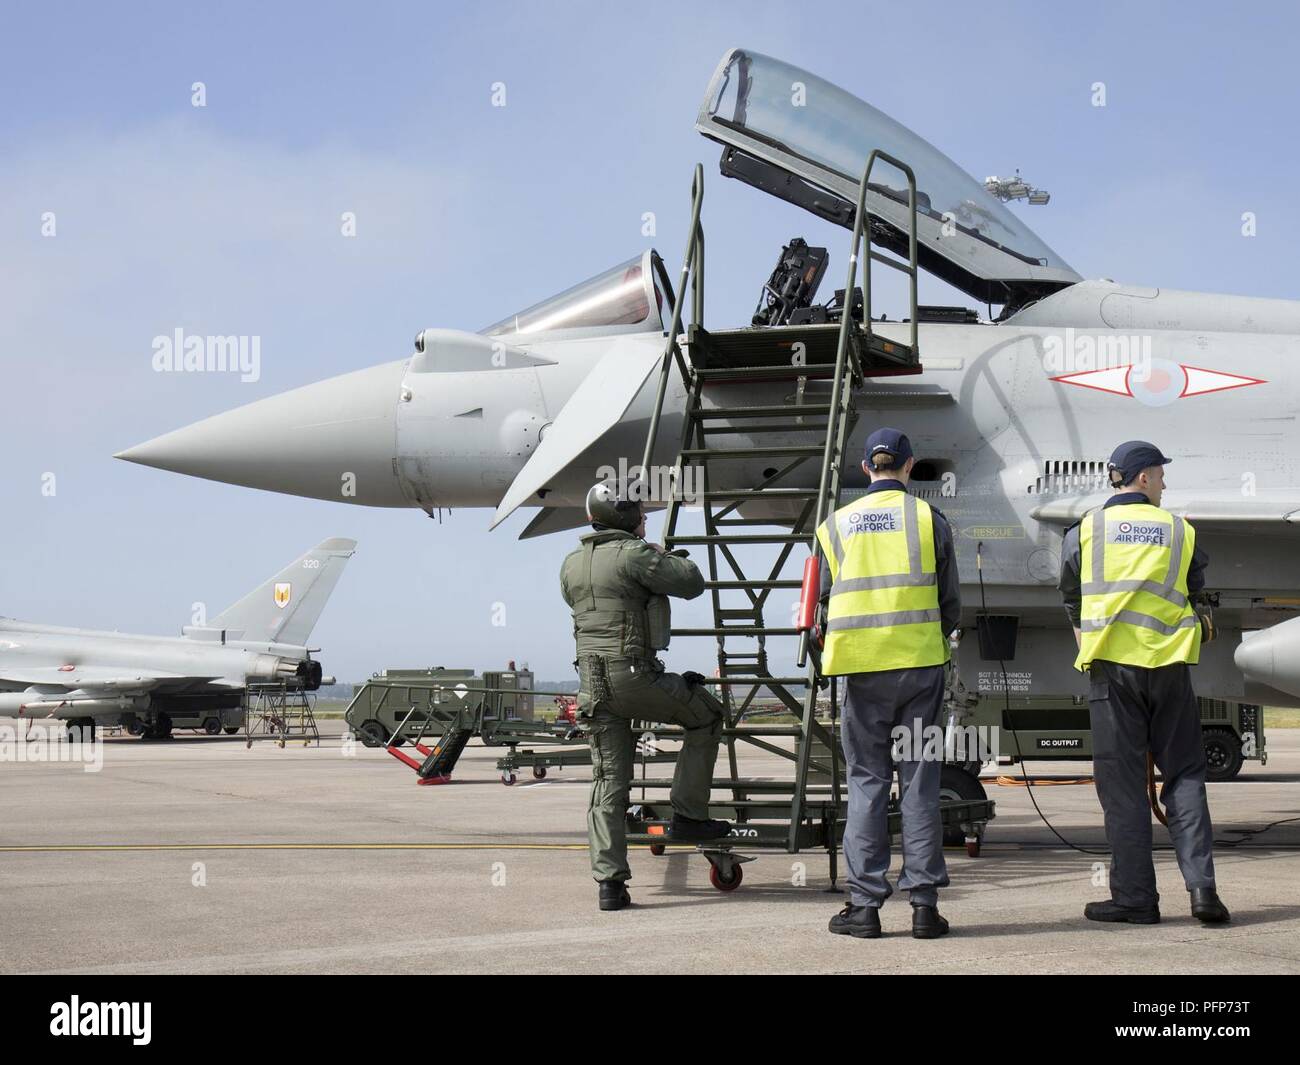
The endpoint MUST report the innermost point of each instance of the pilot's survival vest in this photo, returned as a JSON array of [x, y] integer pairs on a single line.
[[1133, 563], [636, 622], [884, 602]]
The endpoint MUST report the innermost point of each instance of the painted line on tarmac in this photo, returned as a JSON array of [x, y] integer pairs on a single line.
[[73, 848]]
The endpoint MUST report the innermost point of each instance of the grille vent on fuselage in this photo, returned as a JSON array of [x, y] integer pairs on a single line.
[[1072, 476]]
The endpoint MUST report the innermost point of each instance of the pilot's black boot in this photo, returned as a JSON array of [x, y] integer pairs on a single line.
[[1207, 907], [688, 830], [860, 922], [927, 924], [1112, 912], [613, 895]]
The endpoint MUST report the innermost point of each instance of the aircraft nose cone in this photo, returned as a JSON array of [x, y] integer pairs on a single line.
[[1272, 656], [331, 440]]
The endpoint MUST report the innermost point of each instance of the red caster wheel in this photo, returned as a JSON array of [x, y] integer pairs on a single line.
[[657, 849], [726, 883], [508, 778], [972, 848], [539, 772]]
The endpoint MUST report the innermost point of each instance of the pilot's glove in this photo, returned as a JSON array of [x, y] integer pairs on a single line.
[[694, 678]]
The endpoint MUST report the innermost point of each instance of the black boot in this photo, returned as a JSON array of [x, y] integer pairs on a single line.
[[688, 830], [1112, 912], [860, 922], [927, 924], [613, 895], [1208, 907]]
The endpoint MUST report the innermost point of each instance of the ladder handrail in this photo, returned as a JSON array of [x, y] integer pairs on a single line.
[[692, 270]]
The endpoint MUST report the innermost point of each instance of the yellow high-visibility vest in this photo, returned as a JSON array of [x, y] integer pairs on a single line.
[[1133, 568], [884, 603]]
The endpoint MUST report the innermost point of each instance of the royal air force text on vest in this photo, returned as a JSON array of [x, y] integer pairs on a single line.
[[873, 521], [1148, 534]]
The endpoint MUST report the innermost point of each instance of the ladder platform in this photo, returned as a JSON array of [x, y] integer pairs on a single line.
[[773, 347]]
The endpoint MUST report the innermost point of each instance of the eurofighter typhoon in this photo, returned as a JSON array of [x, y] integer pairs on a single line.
[[99, 678], [1012, 417]]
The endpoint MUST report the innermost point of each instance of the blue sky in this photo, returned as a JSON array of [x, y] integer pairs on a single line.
[[225, 220]]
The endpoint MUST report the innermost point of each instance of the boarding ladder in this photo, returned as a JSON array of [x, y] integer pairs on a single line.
[[802, 457]]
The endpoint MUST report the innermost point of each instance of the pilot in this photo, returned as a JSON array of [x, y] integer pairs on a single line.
[[1128, 571], [889, 563], [616, 584]]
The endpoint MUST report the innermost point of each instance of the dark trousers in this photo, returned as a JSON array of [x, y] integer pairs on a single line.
[[875, 704], [1135, 710]]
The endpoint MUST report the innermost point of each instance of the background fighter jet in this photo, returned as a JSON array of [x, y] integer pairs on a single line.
[[143, 682], [1012, 418]]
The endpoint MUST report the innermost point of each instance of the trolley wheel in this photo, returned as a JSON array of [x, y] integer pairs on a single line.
[[508, 779], [728, 882], [972, 848], [539, 772], [373, 734], [230, 730], [657, 849], [1223, 754], [958, 785], [212, 726]]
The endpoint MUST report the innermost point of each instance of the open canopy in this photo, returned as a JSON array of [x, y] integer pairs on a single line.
[[627, 298], [796, 136]]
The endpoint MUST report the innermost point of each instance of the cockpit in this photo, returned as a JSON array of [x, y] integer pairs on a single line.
[[796, 136], [628, 298]]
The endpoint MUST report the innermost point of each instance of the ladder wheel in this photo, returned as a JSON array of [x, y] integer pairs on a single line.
[[726, 883], [508, 779], [539, 772], [657, 849]]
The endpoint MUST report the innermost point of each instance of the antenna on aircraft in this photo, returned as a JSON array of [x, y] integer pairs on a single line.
[[1016, 188]]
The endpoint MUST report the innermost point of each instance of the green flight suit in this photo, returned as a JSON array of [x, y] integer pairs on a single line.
[[607, 582]]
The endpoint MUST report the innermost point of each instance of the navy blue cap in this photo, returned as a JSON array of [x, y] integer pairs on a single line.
[[1134, 456], [889, 442]]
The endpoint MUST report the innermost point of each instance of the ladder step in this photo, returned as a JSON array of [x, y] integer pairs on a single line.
[[783, 370], [743, 538], [738, 630], [755, 493], [782, 427], [779, 410], [753, 585], [811, 450]]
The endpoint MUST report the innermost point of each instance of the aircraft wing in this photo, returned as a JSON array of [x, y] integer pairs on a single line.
[[596, 407], [554, 519], [1226, 512], [97, 679]]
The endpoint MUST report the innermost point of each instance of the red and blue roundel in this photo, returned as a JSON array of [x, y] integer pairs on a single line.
[[1159, 383]]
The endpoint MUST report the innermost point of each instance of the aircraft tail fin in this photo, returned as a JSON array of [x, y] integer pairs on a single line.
[[285, 608]]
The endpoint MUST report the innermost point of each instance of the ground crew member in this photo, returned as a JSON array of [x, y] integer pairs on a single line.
[[889, 563], [616, 582], [1128, 571]]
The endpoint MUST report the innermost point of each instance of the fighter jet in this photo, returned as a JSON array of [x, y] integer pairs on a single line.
[[92, 678], [1012, 417]]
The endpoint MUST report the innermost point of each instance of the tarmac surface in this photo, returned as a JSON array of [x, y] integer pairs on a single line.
[[198, 855]]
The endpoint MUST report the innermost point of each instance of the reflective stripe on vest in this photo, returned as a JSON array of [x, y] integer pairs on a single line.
[[1134, 560], [884, 601]]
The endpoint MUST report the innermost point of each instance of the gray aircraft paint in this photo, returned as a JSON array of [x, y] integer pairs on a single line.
[[52, 671], [1018, 438]]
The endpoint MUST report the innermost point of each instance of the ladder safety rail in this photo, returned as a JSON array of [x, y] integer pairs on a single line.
[[795, 435], [692, 270]]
